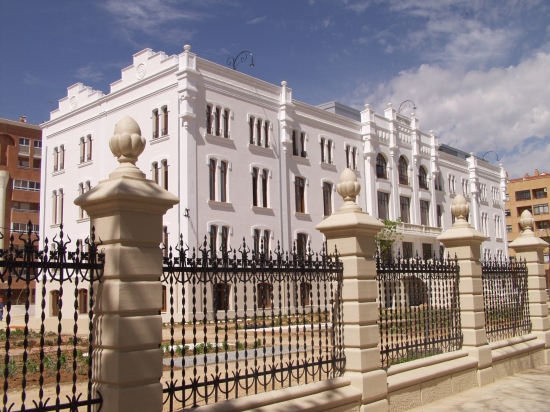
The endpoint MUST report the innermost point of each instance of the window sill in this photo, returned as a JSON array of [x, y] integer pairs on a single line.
[[302, 216], [55, 225], [23, 167], [226, 141], [262, 210], [221, 205], [159, 139], [328, 166], [301, 160], [59, 172], [84, 219], [259, 149], [89, 162]]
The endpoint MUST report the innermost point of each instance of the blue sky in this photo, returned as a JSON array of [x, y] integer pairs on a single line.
[[478, 71]]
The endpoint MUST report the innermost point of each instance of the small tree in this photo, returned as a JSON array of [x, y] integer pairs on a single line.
[[387, 236]]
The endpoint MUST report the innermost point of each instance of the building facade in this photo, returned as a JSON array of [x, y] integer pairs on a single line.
[[529, 193], [248, 160], [20, 164]]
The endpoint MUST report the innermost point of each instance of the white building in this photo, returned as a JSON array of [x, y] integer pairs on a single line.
[[247, 160]]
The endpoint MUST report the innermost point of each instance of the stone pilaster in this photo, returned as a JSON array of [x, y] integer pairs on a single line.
[[464, 241], [352, 231], [530, 248], [127, 212]]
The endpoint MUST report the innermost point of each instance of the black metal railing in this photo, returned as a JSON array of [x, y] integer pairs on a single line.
[[419, 308], [251, 322], [505, 299], [35, 357]]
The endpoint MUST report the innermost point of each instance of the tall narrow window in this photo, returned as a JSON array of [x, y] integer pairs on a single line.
[[55, 213], [422, 178], [266, 133], [301, 245], [213, 238], [439, 215], [208, 119], [81, 192], [251, 130], [255, 186], [264, 187], [383, 202], [165, 240], [256, 237], [217, 130], [426, 251], [62, 157], [221, 296], [348, 165], [303, 152], [329, 152], [405, 204], [226, 123], [156, 123], [265, 290], [299, 186], [294, 144], [305, 290], [327, 199], [353, 158], [61, 199], [259, 132], [165, 173], [55, 159], [223, 182], [212, 178], [82, 301], [424, 212], [156, 172], [323, 160], [225, 238], [82, 150], [402, 168], [89, 148], [164, 121], [407, 250], [266, 241], [381, 167]]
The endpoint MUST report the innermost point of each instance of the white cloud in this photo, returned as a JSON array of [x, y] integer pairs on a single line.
[[89, 73], [256, 20], [502, 109]]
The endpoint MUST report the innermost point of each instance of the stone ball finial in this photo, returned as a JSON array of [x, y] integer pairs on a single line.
[[284, 83], [526, 221], [187, 48], [127, 143], [348, 188], [460, 208]]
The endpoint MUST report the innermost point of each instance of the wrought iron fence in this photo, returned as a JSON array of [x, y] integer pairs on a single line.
[[419, 308], [505, 299], [32, 360], [250, 322]]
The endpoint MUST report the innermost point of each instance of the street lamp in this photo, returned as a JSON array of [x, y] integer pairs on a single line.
[[486, 153], [407, 104], [241, 57]]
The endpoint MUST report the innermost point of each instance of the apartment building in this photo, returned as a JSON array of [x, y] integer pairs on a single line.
[[529, 193], [20, 164], [247, 159]]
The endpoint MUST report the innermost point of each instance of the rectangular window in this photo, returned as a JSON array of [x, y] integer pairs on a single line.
[[301, 244], [165, 172], [540, 193], [299, 193], [217, 114], [259, 132], [542, 225], [266, 134], [165, 121], [427, 251], [424, 212], [264, 187], [265, 290], [208, 119], [221, 296], [23, 162], [523, 195], [212, 179], [256, 242], [348, 165], [439, 215], [405, 205], [383, 203], [24, 146], [225, 238], [36, 164], [323, 160], [507, 212], [226, 123], [303, 145], [353, 157], [329, 152], [251, 130], [521, 209], [255, 186], [37, 148], [540, 209], [156, 172], [407, 250], [26, 185], [213, 238], [294, 144], [223, 182], [266, 240], [327, 199]]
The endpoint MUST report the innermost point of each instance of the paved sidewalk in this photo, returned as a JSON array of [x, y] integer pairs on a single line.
[[525, 391]]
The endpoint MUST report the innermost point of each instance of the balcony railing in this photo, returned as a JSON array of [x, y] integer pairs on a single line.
[[412, 228], [404, 180], [382, 174], [423, 182]]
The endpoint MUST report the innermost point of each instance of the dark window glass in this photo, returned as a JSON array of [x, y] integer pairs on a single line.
[[405, 205], [523, 195], [407, 250], [540, 209], [383, 202], [402, 168], [381, 167], [265, 291], [256, 242], [422, 178], [266, 133], [225, 237], [439, 215], [301, 244], [427, 251], [156, 123], [327, 199], [209, 119], [264, 187], [299, 186], [212, 178], [217, 127], [223, 182], [221, 296], [323, 160], [255, 186], [226, 123], [303, 145], [266, 240], [251, 130], [165, 121], [540, 193], [213, 238], [259, 132], [294, 144], [305, 290], [424, 212]]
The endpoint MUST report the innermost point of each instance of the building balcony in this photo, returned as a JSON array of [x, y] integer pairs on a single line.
[[410, 228]]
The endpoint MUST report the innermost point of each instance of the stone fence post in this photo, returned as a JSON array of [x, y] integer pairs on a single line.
[[530, 247], [464, 242], [127, 211], [352, 231]]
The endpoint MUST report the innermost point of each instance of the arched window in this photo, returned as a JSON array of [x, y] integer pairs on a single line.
[[165, 173], [403, 171], [165, 121], [422, 178], [381, 167], [156, 123]]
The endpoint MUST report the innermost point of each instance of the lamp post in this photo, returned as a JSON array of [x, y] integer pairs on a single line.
[[486, 153], [241, 57], [405, 105]]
